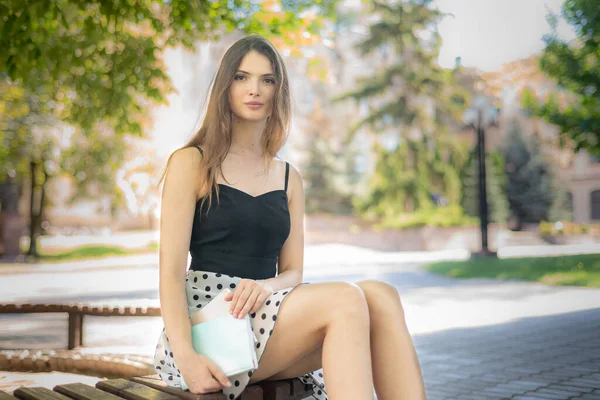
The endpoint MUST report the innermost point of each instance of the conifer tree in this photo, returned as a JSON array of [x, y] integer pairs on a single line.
[[529, 177], [413, 98]]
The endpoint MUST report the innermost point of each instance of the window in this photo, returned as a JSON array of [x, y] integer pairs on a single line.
[[595, 204]]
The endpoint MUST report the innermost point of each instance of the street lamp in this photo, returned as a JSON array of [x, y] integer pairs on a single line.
[[479, 117]]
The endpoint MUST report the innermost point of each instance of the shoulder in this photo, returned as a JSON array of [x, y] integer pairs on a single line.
[[293, 170], [295, 183], [187, 158], [184, 166]]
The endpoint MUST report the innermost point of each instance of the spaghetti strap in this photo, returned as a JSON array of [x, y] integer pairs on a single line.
[[199, 149], [287, 173]]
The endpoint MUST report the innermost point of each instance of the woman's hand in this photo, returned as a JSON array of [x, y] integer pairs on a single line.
[[201, 374], [248, 297]]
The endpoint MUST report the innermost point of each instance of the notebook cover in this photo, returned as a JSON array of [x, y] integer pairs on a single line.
[[228, 342]]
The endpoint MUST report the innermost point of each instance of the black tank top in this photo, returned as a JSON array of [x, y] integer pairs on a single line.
[[241, 235]]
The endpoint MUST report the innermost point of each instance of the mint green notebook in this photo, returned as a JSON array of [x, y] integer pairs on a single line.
[[228, 342]]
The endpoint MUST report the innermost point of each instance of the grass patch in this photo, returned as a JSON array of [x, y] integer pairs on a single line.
[[93, 251], [574, 270]]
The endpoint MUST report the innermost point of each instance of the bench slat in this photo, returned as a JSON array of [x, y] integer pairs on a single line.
[[155, 382], [6, 396], [38, 393], [132, 390], [143, 311], [81, 391]]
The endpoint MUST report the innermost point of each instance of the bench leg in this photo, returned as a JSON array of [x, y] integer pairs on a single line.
[[75, 330]]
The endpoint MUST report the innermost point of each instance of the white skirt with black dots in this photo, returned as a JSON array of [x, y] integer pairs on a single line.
[[201, 287]]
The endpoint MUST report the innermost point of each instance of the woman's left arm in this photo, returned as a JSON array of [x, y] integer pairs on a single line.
[[250, 295]]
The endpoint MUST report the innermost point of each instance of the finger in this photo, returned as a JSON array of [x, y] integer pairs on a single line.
[[219, 376], [259, 302], [242, 301], [234, 296], [250, 303]]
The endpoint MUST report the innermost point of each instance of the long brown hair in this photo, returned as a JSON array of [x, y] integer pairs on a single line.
[[214, 133]]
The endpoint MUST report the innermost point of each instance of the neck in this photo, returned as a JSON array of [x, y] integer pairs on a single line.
[[246, 136]]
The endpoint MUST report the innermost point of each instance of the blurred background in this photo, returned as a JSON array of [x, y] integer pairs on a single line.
[[455, 128], [438, 141], [95, 96]]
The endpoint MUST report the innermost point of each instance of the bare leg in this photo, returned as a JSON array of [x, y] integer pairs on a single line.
[[396, 370], [333, 316], [310, 363]]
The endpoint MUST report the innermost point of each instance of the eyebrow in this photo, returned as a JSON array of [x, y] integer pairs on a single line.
[[248, 73]]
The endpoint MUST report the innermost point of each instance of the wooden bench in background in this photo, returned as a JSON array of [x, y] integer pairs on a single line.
[[76, 313], [151, 387]]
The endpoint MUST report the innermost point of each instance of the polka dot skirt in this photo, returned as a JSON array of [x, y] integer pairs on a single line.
[[203, 286]]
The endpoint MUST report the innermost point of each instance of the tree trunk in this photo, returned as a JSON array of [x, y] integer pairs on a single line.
[[36, 208], [11, 222]]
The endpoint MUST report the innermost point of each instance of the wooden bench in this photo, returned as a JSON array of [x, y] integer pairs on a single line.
[[76, 313], [151, 387]]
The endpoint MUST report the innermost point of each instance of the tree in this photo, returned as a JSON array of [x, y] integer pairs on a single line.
[[412, 98], [576, 68], [529, 177], [412, 77], [416, 174]]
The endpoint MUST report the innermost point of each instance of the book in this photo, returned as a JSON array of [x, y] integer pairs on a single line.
[[227, 341]]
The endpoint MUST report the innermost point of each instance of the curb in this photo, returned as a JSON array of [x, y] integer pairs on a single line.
[[72, 361]]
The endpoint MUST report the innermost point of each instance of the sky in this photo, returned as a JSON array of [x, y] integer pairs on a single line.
[[489, 33]]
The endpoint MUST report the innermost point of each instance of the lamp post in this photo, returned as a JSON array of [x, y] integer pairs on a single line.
[[480, 117]]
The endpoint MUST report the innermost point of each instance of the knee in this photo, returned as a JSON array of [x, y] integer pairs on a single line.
[[350, 303], [381, 296]]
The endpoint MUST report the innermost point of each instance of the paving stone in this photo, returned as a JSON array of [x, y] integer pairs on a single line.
[[461, 387], [524, 370], [523, 386], [524, 397], [452, 375], [545, 395], [479, 396], [593, 384], [491, 395], [545, 378], [508, 391], [590, 396], [439, 393], [451, 391], [570, 388], [563, 393]]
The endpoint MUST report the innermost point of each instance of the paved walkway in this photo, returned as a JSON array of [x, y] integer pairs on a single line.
[[476, 339]]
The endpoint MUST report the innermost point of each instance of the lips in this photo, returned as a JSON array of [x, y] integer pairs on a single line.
[[254, 105]]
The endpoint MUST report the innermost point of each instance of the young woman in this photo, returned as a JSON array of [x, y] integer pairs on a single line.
[[239, 210]]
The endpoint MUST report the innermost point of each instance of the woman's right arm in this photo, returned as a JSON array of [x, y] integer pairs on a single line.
[[176, 219]]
